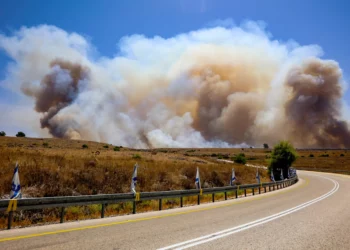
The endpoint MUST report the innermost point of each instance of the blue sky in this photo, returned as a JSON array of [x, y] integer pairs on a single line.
[[104, 22]]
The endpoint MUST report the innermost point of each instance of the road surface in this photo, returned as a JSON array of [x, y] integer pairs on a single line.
[[312, 214]]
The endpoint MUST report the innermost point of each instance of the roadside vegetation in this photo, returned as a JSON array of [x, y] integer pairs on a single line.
[[282, 157], [55, 167]]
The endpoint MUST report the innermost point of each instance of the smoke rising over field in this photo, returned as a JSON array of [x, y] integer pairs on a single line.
[[214, 87]]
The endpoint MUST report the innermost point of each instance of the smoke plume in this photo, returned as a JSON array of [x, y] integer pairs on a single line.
[[214, 87]]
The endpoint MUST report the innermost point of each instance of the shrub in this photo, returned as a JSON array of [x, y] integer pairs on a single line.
[[283, 156], [214, 155], [106, 146], [311, 155], [226, 157], [240, 159], [266, 145], [324, 155], [2, 133], [341, 155], [45, 144], [220, 157], [116, 148], [20, 134], [136, 156], [85, 146]]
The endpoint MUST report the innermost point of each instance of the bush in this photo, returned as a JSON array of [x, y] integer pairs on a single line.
[[214, 155], [240, 159], [283, 156], [106, 146], [116, 148], [45, 144], [311, 155], [136, 157], [2, 133], [324, 155], [85, 146], [20, 134], [266, 145], [342, 155]]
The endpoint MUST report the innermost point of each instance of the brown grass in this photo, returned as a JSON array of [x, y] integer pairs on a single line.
[[55, 167]]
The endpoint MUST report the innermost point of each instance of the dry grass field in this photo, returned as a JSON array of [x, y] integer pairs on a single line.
[[55, 167]]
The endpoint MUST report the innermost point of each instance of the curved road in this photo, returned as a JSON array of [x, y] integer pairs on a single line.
[[312, 214]]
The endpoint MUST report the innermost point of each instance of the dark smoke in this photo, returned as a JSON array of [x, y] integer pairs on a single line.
[[57, 90], [314, 109]]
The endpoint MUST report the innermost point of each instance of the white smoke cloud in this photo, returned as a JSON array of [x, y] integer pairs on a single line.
[[213, 87]]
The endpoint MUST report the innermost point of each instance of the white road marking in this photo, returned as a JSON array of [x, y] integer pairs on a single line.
[[233, 230]]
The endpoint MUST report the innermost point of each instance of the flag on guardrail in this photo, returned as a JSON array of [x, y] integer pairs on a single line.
[[233, 177], [16, 186], [282, 178], [289, 173], [272, 177], [292, 172], [257, 177], [134, 179], [198, 180]]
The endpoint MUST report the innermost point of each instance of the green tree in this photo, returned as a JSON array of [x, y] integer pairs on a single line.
[[283, 156], [2, 133], [20, 134]]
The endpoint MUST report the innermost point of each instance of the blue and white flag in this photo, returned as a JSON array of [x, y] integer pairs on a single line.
[[233, 177], [198, 180], [257, 175], [282, 178], [134, 179], [16, 186], [272, 177]]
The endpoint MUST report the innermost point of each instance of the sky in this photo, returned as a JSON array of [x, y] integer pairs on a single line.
[[103, 23]]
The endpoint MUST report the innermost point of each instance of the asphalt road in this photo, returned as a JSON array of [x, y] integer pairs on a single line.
[[312, 214]]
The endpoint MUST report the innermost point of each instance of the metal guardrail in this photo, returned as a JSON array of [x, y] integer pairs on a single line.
[[66, 201]]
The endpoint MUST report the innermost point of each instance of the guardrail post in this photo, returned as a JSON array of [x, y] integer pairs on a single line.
[[253, 191], [269, 188], [236, 193], [9, 220], [199, 200], [181, 201], [245, 192], [265, 189], [103, 211], [62, 214], [259, 190], [160, 204], [225, 196], [213, 197], [134, 207]]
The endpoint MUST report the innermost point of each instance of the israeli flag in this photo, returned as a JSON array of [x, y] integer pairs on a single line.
[[282, 178], [16, 186], [257, 175], [233, 177], [272, 177], [134, 179], [198, 180]]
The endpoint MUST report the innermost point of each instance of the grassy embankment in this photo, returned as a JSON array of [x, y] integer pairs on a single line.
[[55, 167]]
